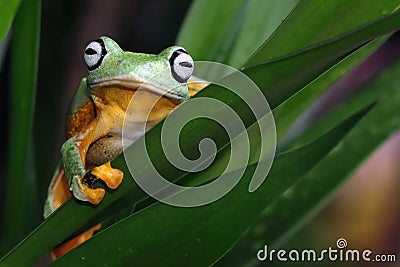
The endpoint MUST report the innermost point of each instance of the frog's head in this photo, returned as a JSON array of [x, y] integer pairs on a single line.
[[165, 73]]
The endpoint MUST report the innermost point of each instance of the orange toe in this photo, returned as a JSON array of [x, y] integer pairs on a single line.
[[112, 177], [94, 195]]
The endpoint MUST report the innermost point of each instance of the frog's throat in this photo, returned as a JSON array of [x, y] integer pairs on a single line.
[[136, 85]]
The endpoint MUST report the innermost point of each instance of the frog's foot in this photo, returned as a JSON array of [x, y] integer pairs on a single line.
[[84, 192], [112, 177]]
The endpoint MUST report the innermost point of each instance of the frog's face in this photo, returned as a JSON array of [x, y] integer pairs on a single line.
[[165, 73]]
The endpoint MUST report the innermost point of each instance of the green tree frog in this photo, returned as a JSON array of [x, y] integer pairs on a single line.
[[99, 108]]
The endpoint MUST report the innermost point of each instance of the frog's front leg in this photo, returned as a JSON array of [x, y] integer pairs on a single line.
[[73, 155]]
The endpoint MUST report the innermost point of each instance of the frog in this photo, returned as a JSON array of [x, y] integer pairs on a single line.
[[99, 108]]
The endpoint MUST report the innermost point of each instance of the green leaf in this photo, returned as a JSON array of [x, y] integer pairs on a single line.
[[204, 37], [281, 71], [371, 92], [203, 226], [7, 12], [314, 190], [233, 30], [286, 113], [20, 190], [260, 21], [314, 22]]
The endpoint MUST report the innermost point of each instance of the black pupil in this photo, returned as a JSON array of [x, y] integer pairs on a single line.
[[90, 51], [185, 64]]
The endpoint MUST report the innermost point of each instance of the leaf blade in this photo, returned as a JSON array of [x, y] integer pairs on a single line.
[[20, 192], [7, 13], [320, 20]]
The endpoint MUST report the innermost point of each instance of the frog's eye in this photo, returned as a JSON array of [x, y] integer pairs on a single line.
[[181, 65], [94, 54]]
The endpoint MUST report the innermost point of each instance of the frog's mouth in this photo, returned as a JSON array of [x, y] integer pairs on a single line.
[[135, 85]]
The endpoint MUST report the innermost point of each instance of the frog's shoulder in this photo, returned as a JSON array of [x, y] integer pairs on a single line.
[[81, 112]]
